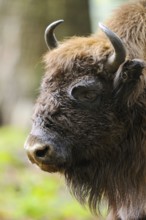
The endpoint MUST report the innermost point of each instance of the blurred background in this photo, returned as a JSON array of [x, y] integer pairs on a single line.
[[26, 192]]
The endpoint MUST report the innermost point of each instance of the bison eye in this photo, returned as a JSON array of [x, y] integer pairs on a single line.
[[83, 93]]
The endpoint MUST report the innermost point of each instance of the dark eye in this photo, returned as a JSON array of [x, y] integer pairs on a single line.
[[83, 93]]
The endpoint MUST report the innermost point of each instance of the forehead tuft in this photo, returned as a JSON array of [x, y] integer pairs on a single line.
[[71, 52]]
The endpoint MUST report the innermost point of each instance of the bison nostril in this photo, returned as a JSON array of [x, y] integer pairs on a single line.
[[41, 153]]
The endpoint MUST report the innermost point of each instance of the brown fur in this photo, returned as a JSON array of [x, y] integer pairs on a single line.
[[99, 146]]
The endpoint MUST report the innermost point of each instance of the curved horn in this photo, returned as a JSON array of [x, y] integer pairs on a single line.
[[115, 60], [50, 38]]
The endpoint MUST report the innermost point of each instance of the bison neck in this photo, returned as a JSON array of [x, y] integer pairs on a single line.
[[119, 177]]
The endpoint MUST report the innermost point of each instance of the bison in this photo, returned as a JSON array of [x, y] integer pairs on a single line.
[[89, 121]]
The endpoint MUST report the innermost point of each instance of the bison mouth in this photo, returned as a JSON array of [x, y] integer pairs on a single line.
[[49, 167], [58, 165], [53, 157]]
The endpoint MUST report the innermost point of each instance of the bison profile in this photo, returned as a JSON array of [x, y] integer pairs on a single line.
[[89, 121]]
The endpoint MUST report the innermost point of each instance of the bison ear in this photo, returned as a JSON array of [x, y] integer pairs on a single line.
[[119, 55], [127, 83], [50, 38]]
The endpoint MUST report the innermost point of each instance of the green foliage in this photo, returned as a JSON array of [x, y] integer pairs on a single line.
[[28, 193]]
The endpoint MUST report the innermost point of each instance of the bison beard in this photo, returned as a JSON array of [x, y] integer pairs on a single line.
[[89, 121]]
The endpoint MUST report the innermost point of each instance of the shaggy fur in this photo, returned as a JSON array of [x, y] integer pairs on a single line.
[[93, 122]]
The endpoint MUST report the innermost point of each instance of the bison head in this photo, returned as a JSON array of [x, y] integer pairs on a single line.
[[81, 117]]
